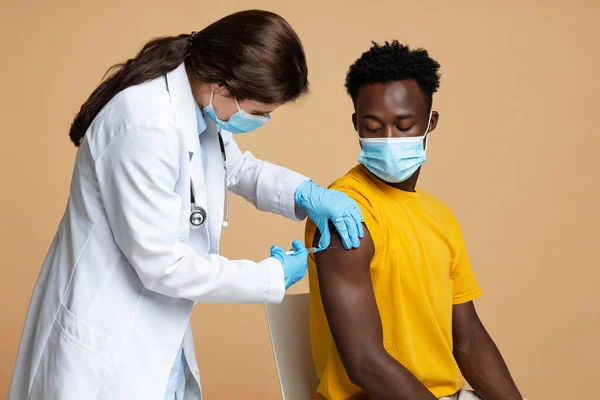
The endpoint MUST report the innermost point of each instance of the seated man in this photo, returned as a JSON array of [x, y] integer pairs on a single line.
[[394, 319]]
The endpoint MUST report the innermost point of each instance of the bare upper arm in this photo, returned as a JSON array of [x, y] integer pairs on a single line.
[[348, 298], [465, 324]]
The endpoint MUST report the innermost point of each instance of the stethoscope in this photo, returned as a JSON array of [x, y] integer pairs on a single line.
[[197, 213]]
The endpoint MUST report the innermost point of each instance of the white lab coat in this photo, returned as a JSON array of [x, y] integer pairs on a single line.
[[113, 300]]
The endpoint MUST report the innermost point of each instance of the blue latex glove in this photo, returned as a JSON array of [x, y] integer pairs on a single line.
[[295, 265], [323, 205]]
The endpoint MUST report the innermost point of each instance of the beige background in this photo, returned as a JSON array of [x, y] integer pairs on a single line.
[[515, 155]]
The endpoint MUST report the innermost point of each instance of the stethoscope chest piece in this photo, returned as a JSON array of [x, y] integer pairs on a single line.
[[197, 217], [197, 213]]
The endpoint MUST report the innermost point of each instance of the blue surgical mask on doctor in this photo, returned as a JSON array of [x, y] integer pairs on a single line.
[[239, 122], [394, 159]]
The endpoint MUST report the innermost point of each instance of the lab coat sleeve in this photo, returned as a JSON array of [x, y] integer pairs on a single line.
[[137, 174], [269, 187]]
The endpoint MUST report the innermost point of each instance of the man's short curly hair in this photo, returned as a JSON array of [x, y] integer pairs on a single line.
[[393, 62]]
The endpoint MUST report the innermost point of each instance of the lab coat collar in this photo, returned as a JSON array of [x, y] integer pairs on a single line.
[[184, 104]]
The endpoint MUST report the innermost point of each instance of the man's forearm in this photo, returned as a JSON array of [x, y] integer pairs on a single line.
[[484, 368], [384, 378]]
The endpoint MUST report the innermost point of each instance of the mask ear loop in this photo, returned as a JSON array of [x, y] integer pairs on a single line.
[[427, 130], [358, 135], [212, 92]]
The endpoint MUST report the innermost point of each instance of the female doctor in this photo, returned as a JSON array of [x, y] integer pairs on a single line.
[[138, 244]]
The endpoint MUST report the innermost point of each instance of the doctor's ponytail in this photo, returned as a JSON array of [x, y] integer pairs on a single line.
[[255, 54], [156, 58]]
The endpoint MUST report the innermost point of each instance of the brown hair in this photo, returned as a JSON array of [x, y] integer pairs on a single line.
[[255, 54]]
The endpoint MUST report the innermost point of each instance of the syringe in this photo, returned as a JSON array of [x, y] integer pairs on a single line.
[[311, 250]]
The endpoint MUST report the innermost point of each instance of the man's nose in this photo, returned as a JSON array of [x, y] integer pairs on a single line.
[[389, 131]]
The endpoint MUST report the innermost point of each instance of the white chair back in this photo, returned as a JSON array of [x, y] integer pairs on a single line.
[[290, 338]]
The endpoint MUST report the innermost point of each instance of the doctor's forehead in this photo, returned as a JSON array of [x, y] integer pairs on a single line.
[[398, 97]]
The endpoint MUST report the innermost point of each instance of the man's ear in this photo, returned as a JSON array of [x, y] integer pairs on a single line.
[[354, 122], [435, 116]]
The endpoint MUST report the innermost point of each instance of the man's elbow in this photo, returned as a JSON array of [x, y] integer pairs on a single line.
[[362, 365], [359, 377]]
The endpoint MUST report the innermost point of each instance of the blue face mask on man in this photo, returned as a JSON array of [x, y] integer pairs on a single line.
[[394, 159], [239, 122]]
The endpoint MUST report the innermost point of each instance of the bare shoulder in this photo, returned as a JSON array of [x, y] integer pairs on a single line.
[[337, 260]]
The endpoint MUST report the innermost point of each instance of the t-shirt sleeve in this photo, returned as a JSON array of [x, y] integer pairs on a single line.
[[464, 285], [369, 213]]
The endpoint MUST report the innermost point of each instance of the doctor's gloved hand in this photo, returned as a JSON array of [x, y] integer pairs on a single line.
[[295, 265], [323, 205]]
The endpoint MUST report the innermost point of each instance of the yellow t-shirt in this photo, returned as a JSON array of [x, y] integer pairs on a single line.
[[420, 269]]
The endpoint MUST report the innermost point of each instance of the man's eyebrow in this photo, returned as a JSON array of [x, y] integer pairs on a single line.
[[373, 117], [399, 116]]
